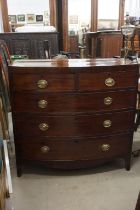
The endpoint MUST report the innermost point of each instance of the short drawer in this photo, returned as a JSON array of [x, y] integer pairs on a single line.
[[69, 103], [75, 149], [107, 80], [78, 125], [43, 82]]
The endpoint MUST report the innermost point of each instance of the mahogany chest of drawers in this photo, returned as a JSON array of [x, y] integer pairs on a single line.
[[73, 113]]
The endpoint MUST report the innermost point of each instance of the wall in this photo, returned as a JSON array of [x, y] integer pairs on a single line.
[[24, 7], [16, 7]]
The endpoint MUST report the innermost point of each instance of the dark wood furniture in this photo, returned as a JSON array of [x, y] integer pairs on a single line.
[[135, 46], [73, 113], [73, 45], [135, 42], [31, 44], [138, 108], [103, 44], [138, 203]]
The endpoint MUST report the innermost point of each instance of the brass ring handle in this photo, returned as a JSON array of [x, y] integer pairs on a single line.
[[105, 147], [109, 82], [43, 126], [42, 83], [108, 100], [45, 149], [42, 104], [107, 123]]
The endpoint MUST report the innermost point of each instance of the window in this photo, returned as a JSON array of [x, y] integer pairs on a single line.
[[108, 14], [133, 9], [79, 17], [1, 23]]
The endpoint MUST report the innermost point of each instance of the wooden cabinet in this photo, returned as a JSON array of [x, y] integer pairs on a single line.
[[135, 42], [110, 45], [31, 44], [73, 114], [73, 44], [103, 44]]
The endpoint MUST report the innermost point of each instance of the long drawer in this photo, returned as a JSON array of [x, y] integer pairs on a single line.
[[68, 82], [77, 125], [75, 149], [107, 80], [67, 103]]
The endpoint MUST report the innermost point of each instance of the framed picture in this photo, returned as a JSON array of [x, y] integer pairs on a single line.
[[12, 18], [73, 19], [39, 18], [21, 18], [30, 18]]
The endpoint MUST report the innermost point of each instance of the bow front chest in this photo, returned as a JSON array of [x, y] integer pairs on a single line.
[[74, 113]]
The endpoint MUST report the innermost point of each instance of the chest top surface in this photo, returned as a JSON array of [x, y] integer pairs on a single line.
[[70, 64]]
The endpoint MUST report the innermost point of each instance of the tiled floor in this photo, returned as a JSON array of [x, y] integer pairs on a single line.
[[109, 187]]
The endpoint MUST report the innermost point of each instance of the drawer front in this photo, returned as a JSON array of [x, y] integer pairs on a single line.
[[68, 103], [83, 125], [43, 83], [75, 149], [107, 80]]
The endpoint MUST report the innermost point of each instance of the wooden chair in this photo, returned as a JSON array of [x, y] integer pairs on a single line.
[[4, 52], [4, 125]]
